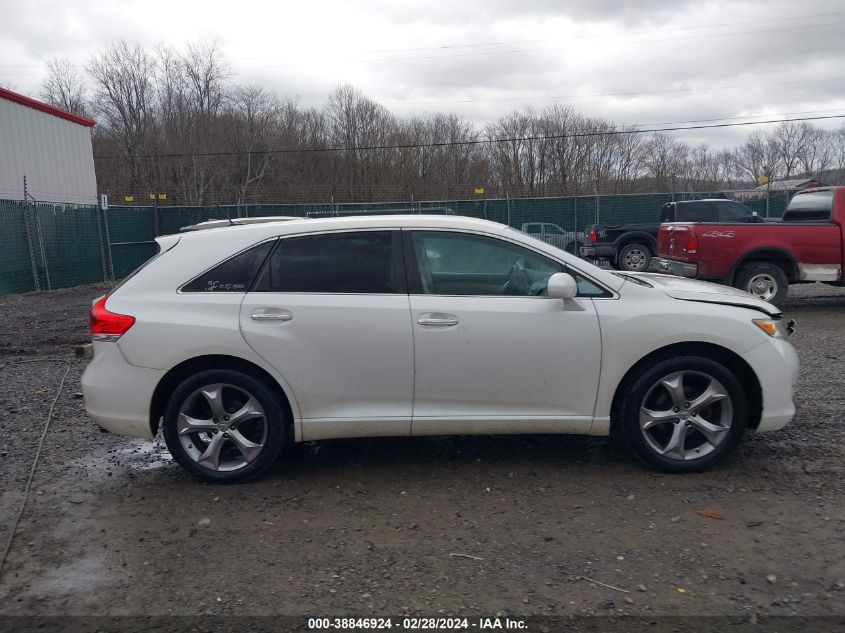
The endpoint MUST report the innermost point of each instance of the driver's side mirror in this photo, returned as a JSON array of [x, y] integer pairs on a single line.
[[562, 286]]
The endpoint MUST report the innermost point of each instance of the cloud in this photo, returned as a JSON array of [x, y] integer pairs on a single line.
[[480, 58]]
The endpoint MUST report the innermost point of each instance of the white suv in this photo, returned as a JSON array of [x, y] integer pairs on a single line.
[[235, 340]]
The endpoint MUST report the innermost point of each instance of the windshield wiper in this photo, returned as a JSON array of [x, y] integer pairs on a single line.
[[633, 279]]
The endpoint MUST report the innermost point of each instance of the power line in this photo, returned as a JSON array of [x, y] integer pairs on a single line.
[[547, 49], [619, 94], [538, 41], [734, 118], [616, 132], [579, 37]]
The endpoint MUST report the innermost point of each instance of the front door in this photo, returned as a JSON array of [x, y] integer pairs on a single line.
[[492, 352]]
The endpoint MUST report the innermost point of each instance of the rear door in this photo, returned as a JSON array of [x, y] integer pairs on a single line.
[[330, 312], [492, 352]]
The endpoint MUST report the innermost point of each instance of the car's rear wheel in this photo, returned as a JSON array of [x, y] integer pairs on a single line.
[[635, 258], [765, 281], [684, 414], [225, 426]]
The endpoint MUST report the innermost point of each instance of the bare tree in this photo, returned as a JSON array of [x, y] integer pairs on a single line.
[[837, 142], [253, 127], [176, 124], [123, 78], [816, 153], [64, 87], [663, 157], [759, 158], [789, 140]]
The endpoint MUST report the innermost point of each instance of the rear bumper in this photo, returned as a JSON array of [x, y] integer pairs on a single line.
[[673, 267], [599, 251], [118, 395], [776, 365]]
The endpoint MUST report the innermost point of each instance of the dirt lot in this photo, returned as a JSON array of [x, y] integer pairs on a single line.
[[373, 527]]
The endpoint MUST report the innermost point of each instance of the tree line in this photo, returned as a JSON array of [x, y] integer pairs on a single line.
[[175, 122]]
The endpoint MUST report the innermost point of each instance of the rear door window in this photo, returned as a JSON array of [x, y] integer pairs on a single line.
[[351, 262], [233, 275], [695, 212]]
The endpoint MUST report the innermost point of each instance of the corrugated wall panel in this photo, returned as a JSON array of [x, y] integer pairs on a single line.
[[55, 155]]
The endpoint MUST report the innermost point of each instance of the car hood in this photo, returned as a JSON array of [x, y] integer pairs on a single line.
[[705, 291]]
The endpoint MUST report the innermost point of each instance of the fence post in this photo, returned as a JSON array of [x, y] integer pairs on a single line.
[[100, 213], [598, 209], [108, 244], [575, 198], [30, 243], [768, 196], [156, 216], [41, 246], [508, 206]]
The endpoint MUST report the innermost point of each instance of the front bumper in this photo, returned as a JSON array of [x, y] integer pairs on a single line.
[[674, 267], [776, 365], [118, 395]]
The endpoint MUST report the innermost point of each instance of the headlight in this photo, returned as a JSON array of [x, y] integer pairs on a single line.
[[775, 327]]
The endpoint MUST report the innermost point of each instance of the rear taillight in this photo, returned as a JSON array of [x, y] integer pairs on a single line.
[[593, 236], [692, 243], [108, 326]]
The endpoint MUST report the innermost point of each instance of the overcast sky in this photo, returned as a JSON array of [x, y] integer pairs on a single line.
[[641, 61]]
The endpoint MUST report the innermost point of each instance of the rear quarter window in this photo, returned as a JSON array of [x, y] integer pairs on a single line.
[[234, 274]]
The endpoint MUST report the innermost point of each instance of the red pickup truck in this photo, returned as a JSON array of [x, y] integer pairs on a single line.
[[763, 259]]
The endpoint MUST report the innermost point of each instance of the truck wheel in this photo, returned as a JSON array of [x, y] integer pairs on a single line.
[[765, 281], [635, 257]]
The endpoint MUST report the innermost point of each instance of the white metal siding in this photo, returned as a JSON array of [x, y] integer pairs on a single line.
[[55, 155]]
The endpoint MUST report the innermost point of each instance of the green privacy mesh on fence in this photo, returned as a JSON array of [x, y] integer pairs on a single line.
[[15, 264], [48, 246]]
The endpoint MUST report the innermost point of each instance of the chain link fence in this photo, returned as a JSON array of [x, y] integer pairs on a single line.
[[48, 246]]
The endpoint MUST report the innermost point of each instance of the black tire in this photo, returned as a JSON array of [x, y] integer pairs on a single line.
[[628, 425], [273, 432], [766, 272], [634, 257]]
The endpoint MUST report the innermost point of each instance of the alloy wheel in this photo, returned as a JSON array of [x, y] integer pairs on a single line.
[[686, 415], [222, 427]]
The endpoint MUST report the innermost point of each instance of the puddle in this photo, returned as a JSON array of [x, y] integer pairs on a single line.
[[136, 455]]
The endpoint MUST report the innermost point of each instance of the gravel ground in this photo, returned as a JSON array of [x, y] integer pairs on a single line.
[[473, 526]]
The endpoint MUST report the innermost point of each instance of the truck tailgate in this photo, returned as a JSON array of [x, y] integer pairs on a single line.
[[672, 240]]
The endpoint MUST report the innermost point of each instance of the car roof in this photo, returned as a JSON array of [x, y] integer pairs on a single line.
[[304, 225], [214, 223], [705, 200]]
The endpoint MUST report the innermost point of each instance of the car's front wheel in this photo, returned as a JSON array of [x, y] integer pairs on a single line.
[[225, 426], [684, 414]]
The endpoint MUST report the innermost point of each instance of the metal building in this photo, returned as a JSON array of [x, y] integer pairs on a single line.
[[50, 147]]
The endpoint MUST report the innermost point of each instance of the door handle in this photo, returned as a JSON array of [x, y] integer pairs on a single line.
[[437, 318], [282, 315]]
